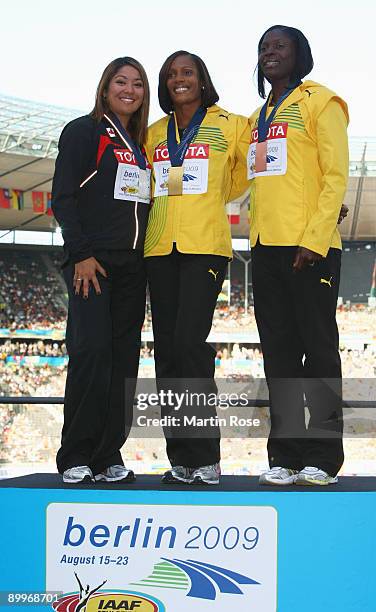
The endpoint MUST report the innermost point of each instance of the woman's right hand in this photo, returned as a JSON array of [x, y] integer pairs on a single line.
[[342, 213], [85, 273]]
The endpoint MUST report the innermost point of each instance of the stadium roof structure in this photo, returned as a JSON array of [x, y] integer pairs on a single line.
[[29, 133]]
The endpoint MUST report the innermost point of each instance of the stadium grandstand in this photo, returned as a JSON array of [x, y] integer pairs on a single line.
[[33, 301]]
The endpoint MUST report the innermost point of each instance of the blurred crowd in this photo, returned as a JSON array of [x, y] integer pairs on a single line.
[[31, 295], [40, 348], [21, 438], [30, 434], [234, 318], [26, 380], [231, 359], [356, 319], [356, 363]]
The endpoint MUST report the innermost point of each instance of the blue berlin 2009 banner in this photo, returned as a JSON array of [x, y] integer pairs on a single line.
[[159, 551]]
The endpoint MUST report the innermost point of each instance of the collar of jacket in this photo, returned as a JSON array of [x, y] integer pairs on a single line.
[[215, 109], [211, 110], [294, 97], [104, 124], [298, 94], [106, 121]]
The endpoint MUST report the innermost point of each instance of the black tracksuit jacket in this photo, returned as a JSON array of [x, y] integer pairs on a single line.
[[90, 218]]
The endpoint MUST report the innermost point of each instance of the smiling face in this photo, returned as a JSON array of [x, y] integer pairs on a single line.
[[125, 93], [183, 82], [277, 56]]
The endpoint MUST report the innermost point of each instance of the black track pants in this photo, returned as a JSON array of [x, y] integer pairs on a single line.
[[103, 343], [184, 290], [295, 314]]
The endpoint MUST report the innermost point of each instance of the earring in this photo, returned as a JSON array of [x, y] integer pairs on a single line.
[[203, 87]]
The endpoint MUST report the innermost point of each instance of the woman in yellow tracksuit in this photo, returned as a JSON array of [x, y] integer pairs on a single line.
[[198, 152], [298, 158]]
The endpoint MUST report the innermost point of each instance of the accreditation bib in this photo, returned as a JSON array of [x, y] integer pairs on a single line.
[[276, 152], [195, 170], [131, 182]]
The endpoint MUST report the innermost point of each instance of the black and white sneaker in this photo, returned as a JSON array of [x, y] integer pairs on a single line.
[[207, 474], [279, 476], [178, 475], [80, 474], [313, 476], [116, 473]]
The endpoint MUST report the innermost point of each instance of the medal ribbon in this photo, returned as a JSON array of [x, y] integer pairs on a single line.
[[265, 123], [128, 141], [177, 150]]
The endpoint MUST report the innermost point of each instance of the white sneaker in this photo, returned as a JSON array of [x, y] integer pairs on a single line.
[[314, 476], [178, 474], [207, 474], [80, 474], [278, 476], [116, 473]]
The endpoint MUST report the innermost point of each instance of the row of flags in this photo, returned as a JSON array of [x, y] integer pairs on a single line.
[[11, 198], [14, 199], [41, 201]]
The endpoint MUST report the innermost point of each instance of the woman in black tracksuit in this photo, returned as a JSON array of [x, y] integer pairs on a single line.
[[100, 198]]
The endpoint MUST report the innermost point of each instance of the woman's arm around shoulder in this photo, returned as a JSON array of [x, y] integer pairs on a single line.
[[240, 182]]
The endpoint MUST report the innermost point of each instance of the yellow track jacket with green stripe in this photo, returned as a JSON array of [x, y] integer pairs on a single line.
[[300, 205], [197, 222]]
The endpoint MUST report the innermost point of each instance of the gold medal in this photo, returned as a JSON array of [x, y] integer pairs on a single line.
[[260, 161], [175, 180]]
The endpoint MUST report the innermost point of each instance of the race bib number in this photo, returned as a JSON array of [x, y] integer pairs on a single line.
[[195, 165], [276, 151], [131, 182]]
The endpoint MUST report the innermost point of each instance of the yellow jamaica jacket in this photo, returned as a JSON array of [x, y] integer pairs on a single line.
[[215, 172], [298, 199]]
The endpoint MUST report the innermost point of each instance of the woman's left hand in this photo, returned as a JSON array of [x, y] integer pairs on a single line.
[[305, 257]]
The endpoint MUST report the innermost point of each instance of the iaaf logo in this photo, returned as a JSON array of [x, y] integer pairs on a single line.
[[200, 580], [276, 130], [195, 151], [94, 600]]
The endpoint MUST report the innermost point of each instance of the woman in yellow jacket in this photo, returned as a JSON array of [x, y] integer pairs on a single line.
[[198, 152], [298, 158]]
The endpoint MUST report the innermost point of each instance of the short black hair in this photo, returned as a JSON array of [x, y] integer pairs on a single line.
[[209, 95], [304, 59]]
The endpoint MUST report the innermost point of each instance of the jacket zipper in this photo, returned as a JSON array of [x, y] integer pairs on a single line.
[[137, 229]]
